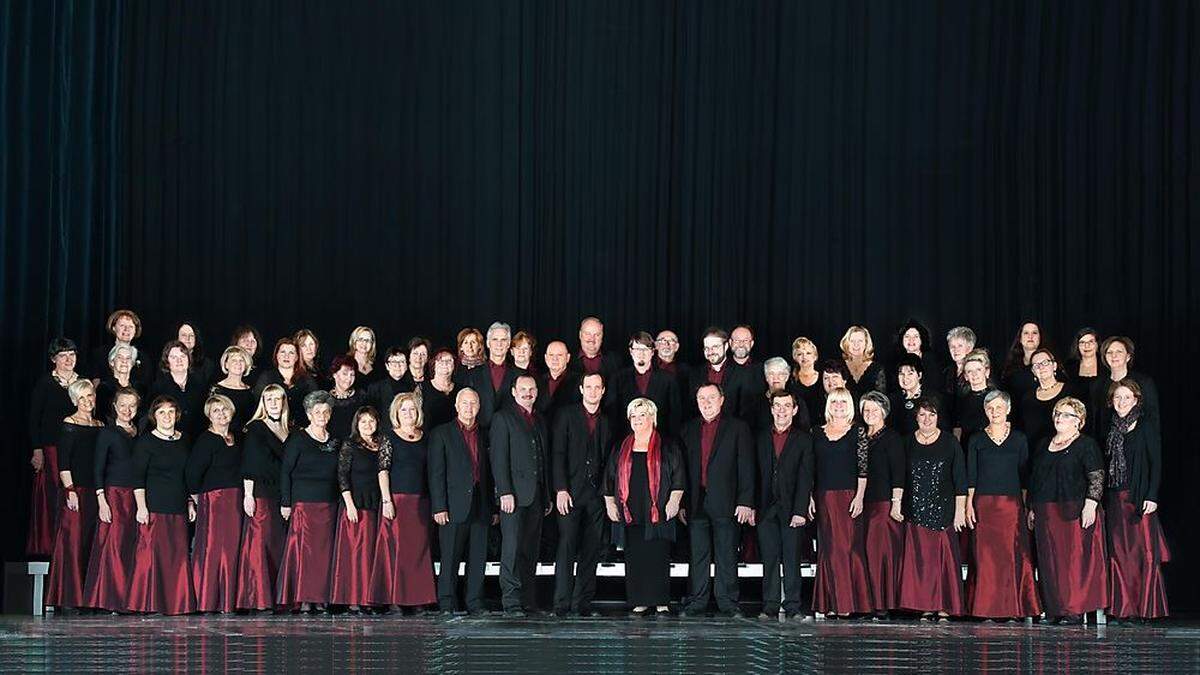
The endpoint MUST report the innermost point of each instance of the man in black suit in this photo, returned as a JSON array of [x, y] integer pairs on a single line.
[[720, 459], [460, 494], [591, 357], [753, 386], [558, 387], [666, 359], [785, 470], [521, 466], [494, 379], [643, 380], [580, 446]]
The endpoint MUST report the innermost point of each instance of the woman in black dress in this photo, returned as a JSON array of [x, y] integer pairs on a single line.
[[968, 404], [1118, 353], [858, 352], [202, 365], [162, 578], [309, 348], [120, 375], [292, 375], [124, 326], [419, 349], [438, 392], [48, 405], [263, 529], [362, 354], [806, 379], [177, 381], [235, 363], [521, 349], [1050, 388], [394, 380], [1085, 367], [960, 341], [346, 396], [1017, 377], [248, 338], [643, 489], [881, 503], [214, 477], [910, 387], [358, 516], [110, 568], [77, 509], [913, 339]]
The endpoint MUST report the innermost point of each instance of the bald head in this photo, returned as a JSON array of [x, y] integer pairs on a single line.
[[591, 336]]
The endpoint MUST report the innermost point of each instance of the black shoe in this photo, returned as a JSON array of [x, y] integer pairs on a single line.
[[587, 613]]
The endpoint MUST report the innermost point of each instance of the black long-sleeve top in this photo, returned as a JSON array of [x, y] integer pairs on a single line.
[[114, 458], [885, 465], [873, 379], [1035, 416], [814, 400], [343, 410], [1143, 460], [381, 393], [300, 387], [968, 411], [213, 464], [106, 392], [903, 417], [48, 405], [309, 470], [77, 453], [437, 408], [842, 462], [190, 400], [159, 468], [244, 403], [262, 459], [1019, 382], [1072, 474], [1001, 469], [936, 475], [405, 465], [358, 471]]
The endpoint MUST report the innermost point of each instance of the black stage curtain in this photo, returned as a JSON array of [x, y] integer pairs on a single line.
[[800, 166]]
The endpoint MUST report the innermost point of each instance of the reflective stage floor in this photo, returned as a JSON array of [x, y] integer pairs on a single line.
[[277, 644]]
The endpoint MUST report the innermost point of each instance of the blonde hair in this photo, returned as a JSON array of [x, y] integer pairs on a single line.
[[394, 409], [802, 342], [260, 413], [643, 405], [216, 400], [979, 355], [354, 335], [77, 389], [1076, 407], [844, 343], [840, 394], [234, 350]]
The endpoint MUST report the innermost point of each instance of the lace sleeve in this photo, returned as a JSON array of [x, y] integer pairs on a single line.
[[1095, 487], [345, 457], [862, 450], [385, 455]]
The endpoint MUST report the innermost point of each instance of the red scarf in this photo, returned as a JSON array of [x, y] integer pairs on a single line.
[[653, 471]]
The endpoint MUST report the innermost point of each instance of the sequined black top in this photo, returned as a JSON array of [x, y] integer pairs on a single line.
[[937, 474]]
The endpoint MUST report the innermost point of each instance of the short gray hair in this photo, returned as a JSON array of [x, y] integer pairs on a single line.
[[998, 394], [878, 399], [498, 325], [316, 398], [776, 363], [112, 353], [961, 333]]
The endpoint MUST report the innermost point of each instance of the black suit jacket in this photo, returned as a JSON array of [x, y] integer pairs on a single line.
[[662, 389], [752, 390], [785, 482], [577, 458], [736, 380], [730, 467], [491, 400], [610, 363], [567, 394], [520, 456], [764, 420], [451, 485]]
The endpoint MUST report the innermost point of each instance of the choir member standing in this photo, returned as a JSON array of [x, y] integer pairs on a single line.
[[858, 352], [120, 375], [111, 565], [666, 359], [124, 326], [214, 477], [716, 370], [1000, 580], [558, 387], [910, 387], [77, 511], [359, 458], [437, 395], [162, 579], [419, 350], [521, 351], [291, 373], [581, 439], [968, 403], [469, 345], [720, 459], [1017, 378], [202, 366], [842, 453], [806, 379], [886, 474], [1118, 356], [913, 340], [177, 381], [752, 401], [309, 360], [461, 496], [308, 494], [234, 364], [644, 483], [1049, 388], [778, 377], [1066, 484], [49, 404], [494, 380], [248, 338], [263, 528], [402, 575], [591, 357], [362, 353], [641, 380], [345, 398], [960, 341], [785, 480], [394, 380], [1084, 365]]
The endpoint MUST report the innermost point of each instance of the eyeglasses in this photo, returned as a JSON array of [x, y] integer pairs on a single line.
[[1043, 364], [396, 362], [1061, 414], [667, 341]]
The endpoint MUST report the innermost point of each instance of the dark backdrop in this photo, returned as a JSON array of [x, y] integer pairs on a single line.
[[421, 166]]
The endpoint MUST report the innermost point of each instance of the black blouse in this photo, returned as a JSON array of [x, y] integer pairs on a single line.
[[309, 471], [1035, 416], [48, 405], [814, 399], [343, 412], [114, 458], [998, 469], [213, 464], [873, 379], [106, 392], [262, 458], [358, 471], [903, 416], [885, 465], [77, 453], [189, 399], [1020, 382], [382, 392], [968, 411], [244, 404], [406, 465], [842, 462], [158, 468], [1072, 474], [437, 408], [936, 475], [300, 387]]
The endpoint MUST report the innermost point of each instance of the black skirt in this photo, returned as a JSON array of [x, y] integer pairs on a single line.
[[647, 562]]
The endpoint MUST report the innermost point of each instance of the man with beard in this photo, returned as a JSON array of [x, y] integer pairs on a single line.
[[558, 387], [717, 370], [591, 358], [641, 380], [666, 359], [753, 395], [494, 379], [521, 466]]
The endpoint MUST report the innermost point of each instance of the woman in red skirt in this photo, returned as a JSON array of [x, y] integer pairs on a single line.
[[308, 494], [403, 571], [77, 514], [48, 405], [1066, 484], [935, 506], [358, 517], [1000, 580], [1136, 546], [162, 579], [214, 476], [263, 530], [840, 447], [885, 485], [110, 567]]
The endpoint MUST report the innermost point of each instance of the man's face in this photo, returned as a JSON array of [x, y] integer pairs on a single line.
[[591, 337], [715, 350], [741, 341], [667, 345]]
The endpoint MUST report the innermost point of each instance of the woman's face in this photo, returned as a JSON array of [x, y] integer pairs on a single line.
[[417, 358], [976, 375], [912, 341], [235, 365], [164, 418], [839, 409], [86, 403], [122, 363], [64, 362], [471, 346], [521, 353], [124, 329], [1043, 366], [872, 414], [831, 381], [926, 420], [443, 365], [1031, 337], [776, 379], [343, 379], [367, 426], [959, 348], [187, 335], [805, 356], [856, 344], [407, 413], [363, 343], [1087, 345], [126, 408], [397, 366], [1123, 400], [220, 415], [286, 356], [308, 348], [248, 342], [319, 415], [177, 360], [639, 421], [1116, 356], [996, 411], [1066, 421], [273, 404], [909, 379]]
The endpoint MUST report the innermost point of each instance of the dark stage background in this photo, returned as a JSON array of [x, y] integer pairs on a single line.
[[421, 166]]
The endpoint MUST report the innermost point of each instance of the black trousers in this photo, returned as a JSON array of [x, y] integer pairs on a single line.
[[580, 540], [470, 538], [521, 533], [713, 539], [778, 543]]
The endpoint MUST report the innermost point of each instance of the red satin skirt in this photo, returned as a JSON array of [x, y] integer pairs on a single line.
[[885, 554], [403, 570], [110, 567], [931, 576], [262, 551], [305, 572], [353, 556], [162, 578], [216, 548], [72, 549], [1136, 551], [43, 505], [1000, 580], [841, 586], [1071, 560]]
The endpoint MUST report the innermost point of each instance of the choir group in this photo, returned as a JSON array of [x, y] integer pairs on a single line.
[[263, 481]]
